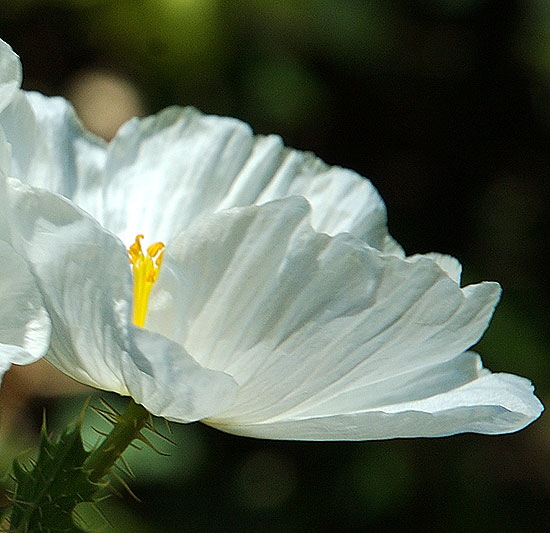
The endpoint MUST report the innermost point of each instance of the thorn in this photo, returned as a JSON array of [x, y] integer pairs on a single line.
[[125, 468], [147, 442], [99, 432], [126, 486]]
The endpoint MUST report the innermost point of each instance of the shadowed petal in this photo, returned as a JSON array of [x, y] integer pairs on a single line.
[[171, 384], [85, 280], [24, 323], [58, 153]]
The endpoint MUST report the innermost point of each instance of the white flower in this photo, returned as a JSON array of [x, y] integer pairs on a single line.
[[283, 309]]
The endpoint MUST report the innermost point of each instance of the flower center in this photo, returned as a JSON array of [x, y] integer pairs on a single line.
[[145, 267]]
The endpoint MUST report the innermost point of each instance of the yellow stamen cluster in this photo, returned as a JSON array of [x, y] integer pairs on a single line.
[[145, 267]]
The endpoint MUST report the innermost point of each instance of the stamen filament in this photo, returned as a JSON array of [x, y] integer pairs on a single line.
[[145, 268]]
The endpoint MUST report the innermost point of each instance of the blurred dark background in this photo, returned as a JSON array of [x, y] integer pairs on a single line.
[[445, 106]]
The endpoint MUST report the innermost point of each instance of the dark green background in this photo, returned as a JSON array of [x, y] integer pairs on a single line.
[[445, 106]]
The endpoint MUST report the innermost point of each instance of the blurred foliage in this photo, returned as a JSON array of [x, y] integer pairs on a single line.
[[445, 105]]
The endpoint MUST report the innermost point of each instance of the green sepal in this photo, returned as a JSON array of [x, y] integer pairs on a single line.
[[47, 494]]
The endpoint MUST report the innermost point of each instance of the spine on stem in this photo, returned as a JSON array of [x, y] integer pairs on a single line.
[[65, 474]]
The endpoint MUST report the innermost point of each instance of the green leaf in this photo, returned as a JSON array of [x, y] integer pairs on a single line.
[[47, 494]]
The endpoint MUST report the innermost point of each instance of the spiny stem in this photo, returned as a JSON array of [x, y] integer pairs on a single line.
[[127, 428]]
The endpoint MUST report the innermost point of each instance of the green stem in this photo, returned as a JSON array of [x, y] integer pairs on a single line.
[[127, 428]]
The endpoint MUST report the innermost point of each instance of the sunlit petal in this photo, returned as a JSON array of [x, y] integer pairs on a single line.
[[165, 171]]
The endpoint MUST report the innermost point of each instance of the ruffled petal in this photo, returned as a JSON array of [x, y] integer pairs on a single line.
[[10, 74], [166, 171], [449, 264], [303, 321], [24, 322]]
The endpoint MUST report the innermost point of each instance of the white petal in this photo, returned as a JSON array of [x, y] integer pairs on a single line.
[[449, 264], [10, 74], [24, 323], [85, 277], [52, 150], [492, 404], [5, 164], [166, 171], [300, 319], [5, 156], [395, 388], [341, 200], [171, 384]]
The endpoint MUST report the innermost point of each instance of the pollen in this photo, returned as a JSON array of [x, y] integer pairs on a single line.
[[145, 268]]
